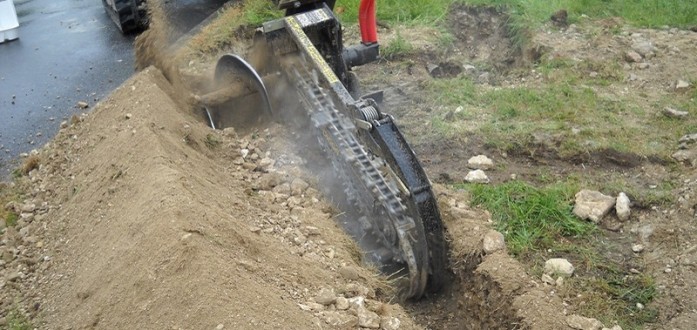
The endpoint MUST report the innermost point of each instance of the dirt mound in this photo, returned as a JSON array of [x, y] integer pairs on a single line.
[[157, 221]]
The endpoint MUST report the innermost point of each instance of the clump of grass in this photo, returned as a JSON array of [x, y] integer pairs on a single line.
[[17, 321], [397, 48], [224, 30], [530, 218], [612, 296], [212, 141]]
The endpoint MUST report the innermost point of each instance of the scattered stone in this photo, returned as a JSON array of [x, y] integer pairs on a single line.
[[547, 279], [266, 163], [298, 187], [283, 189], [637, 248], [220, 327], [559, 266], [340, 320], [28, 208], [480, 162], [592, 205], [129, 116], [469, 67], [645, 48], [560, 281], [356, 302], [269, 181], [82, 105], [341, 303], [674, 113], [616, 327], [368, 319], [349, 273], [444, 70], [643, 66], [622, 207], [632, 57], [390, 323], [593, 74], [477, 176], [583, 323], [325, 297], [686, 155], [639, 306], [688, 138], [13, 276], [681, 85], [493, 241]]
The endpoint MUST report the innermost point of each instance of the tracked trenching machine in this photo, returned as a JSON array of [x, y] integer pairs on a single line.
[[389, 205]]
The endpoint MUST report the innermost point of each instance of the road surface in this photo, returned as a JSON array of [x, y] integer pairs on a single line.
[[68, 51]]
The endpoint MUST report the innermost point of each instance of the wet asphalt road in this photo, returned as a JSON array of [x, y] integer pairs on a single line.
[[68, 51]]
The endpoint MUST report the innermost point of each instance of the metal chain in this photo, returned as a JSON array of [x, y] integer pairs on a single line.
[[327, 118]]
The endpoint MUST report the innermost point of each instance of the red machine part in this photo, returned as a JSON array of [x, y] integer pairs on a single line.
[[368, 22]]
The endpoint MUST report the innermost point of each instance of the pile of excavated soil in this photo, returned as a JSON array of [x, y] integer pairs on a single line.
[[156, 221]]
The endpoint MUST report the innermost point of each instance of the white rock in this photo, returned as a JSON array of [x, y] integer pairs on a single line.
[[547, 279], [325, 297], [480, 162], [390, 323], [342, 303], [632, 57], [340, 320], [637, 248], [583, 323], [477, 176], [681, 84], [559, 266], [622, 206], [493, 241], [298, 187], [592, 205], [645, 48], [368, 319], [674, 113]]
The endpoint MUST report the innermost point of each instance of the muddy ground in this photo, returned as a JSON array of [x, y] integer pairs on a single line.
[[139, 215]]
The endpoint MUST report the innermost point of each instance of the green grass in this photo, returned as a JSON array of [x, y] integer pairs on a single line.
[[612, 296], [17, 321], [225, 29], [538, 224], [678, 13], [531, 219], [398, 47], [571, 108], [413, 12]]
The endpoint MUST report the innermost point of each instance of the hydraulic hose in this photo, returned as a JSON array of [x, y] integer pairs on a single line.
[[368, 22]]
